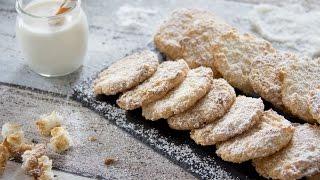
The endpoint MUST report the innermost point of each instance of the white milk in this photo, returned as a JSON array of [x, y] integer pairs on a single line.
[[53, 45]]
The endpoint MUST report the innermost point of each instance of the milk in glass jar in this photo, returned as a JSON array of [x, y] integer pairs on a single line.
[[52, 34]]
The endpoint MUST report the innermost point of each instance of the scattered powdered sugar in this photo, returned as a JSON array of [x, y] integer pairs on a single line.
[[86, 158], [291, 27], [204, 166], [134, 18]]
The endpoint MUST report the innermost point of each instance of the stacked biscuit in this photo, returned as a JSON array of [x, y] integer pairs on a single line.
[[191, 99]]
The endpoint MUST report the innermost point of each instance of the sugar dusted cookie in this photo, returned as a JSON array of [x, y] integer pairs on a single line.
[[126, 73], [234, 55], [300, 82], [264, 76], [269, 135], [189, 34], [243, 114], [210, 108], [168, 76], [299, 159], [196, 85]]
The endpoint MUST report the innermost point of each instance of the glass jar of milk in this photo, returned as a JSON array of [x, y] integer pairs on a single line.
[[53, 35]]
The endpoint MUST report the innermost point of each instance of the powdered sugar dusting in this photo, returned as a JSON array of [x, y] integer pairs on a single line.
[[134, 18], [183, 154]]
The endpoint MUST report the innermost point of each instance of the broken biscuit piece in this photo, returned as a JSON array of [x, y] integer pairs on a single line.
[[109, 161], [47, 122], [30, 158], [4, 156], [13, 133], [60, 140], [45, 168], [14, 140], [16, 151], [36, 164]]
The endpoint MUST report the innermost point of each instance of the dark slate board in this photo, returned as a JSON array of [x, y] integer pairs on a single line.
[[175, 145]]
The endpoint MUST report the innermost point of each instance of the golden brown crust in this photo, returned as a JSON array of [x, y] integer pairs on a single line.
[[243, 114], [168, 75], [234, 55], [17, 150], [189, 34], [45, 168], [47, 122], [4, 156], [314, 104], [299, 81], [299, 159], [36, 164], [126, 73], [30, 158], [13, 133], [211, 107], [264, 76], [60, 140], [269, 135], [194, 87]]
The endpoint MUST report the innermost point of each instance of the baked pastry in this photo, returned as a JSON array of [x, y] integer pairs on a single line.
[[30, 158], [196, 85], [189, 34], [234, 54], [4, 156], [272, 133], [168, 76], [37, 164], [13, 133], [126, 73], [299, 159], [300, 83], [243, 114], [264, 76], [60, 140], [47, 122], [207, 110]]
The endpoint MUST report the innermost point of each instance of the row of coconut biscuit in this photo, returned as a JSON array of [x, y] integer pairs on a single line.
[[193, 100], [251, 64]]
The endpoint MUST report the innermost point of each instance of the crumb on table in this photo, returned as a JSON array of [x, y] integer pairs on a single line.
[[92, 138], [109, 161]]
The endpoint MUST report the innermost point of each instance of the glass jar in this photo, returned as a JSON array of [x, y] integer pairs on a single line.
[[54, 43]]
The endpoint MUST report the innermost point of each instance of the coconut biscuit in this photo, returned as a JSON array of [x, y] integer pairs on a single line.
[[168, 75], [299, 159], [194, 87], [210, 108], [269, 135], [243, 114], [126, 73]]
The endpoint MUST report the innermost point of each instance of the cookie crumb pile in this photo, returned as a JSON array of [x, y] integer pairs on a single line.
[[35, 161]]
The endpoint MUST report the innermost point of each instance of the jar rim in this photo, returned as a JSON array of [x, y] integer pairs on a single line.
[[21, 10]]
